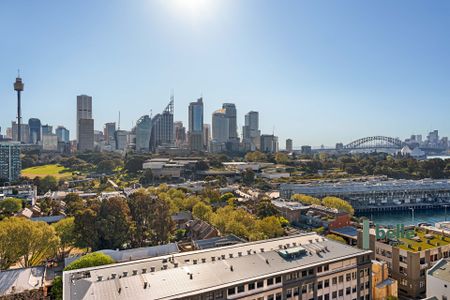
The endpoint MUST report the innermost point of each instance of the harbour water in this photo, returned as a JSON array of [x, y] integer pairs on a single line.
[[405, 217]]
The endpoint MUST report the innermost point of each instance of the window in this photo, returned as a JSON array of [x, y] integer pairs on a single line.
[[327, 283], [353, 275], [304, 289], [260, 284], [270, 281], [310, 272], [296, 291], [326, 268], [334, 295], [444, 297], [288, 277], [311, 287], [288, 293], [422, 284], [354, 289], [304, 273], [367, 285], [219, 295], [319, 285], [240, 288], [270, 297], [251, 286], [209, 296], [278, 296], [341, 279], [348, 277], [334, 280], [326, 297], [278, 279], [231, 291], [348, 291], [341, 293], [320, 298]]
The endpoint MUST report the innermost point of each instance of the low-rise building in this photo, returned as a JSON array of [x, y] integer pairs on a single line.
[[23, 283], [438, 280], [382, 286], [305, 266]]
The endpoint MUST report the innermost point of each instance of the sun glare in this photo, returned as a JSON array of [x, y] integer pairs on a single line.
[[195, 9]]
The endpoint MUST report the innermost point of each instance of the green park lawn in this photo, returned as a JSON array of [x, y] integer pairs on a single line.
[[57, 171]]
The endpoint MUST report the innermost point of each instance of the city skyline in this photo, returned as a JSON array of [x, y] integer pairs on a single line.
[[330, 92]]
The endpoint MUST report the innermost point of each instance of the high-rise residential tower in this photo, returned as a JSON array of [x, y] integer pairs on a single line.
[[143, 133], [196, 125], [10, 163], [47, 129], [85, 123], [35, 130], [269, 143], [180, 134], [220, 131]]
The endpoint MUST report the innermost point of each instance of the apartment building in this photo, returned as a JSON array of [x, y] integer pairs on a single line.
[[300, 267], [408, 259], [438, 280]]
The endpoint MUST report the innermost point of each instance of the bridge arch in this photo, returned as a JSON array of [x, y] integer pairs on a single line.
[[375, 142]]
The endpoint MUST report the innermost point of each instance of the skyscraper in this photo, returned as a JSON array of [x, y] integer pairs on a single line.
[[24, 132], [85, 123], [269, 143], [250, 131], [196, 125], [233, 138], [47, 129], [162, 127], [180, 134], [220, 131], [206, 135], [289, 145], [108, 131], [143, 133], [10, 163], [35, 130], [63, 134]]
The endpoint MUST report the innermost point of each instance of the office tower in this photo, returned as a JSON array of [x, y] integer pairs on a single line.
[[196, 125], [63, 134], [269, 143], [10, 163], [220, 131], [35, 130], [47, 129], [297, 267], [85, 135], [85, 123], [121, 138], [108, 130], [162, 128], [143, 133], [9, 133], [24, 132], [49, 142], [206, 135], [250, 132], [230, 113], [289, 145], [18, 87], [180, 134], [433, 137]]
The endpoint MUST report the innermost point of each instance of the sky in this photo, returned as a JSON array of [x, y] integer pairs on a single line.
[[319, 72]]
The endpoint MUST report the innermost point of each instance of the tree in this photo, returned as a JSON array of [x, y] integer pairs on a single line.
[[141, 209], [335, 238], [90, 260], [339, 204], [39, 243], [12, 232], [113, 223], [105, 166], [74, 203], [57, 288], [86, 229], [305, 199], [50, 207], [48, 183], [10, 206], [265, 208], [248, 176], [134, 164], [270, 227], [162, 222], [65, 230], [147, 177], [256, 156], [226, 196], [281, 158], [202, 211]]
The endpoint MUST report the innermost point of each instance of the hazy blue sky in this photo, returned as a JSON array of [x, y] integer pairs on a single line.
[[319, 72]]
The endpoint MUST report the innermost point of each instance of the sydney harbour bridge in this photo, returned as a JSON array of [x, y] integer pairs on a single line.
[[381, 144]]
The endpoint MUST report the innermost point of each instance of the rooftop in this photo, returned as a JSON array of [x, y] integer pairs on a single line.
[[441, 270], [189, 273], [20, 280]]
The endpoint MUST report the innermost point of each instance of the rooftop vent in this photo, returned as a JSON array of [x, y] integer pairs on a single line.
[[249, 252], [262, 249], [175, 265], [267, 261], [99, 278], [191, 276], [203, 260], [213, 258], [231, 268], [113, 275], [152, 269], [231, 255], [144, 270], [145, 285], [239, 254], [125, 274], [134, 272], [223, 256], [194, 261]]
